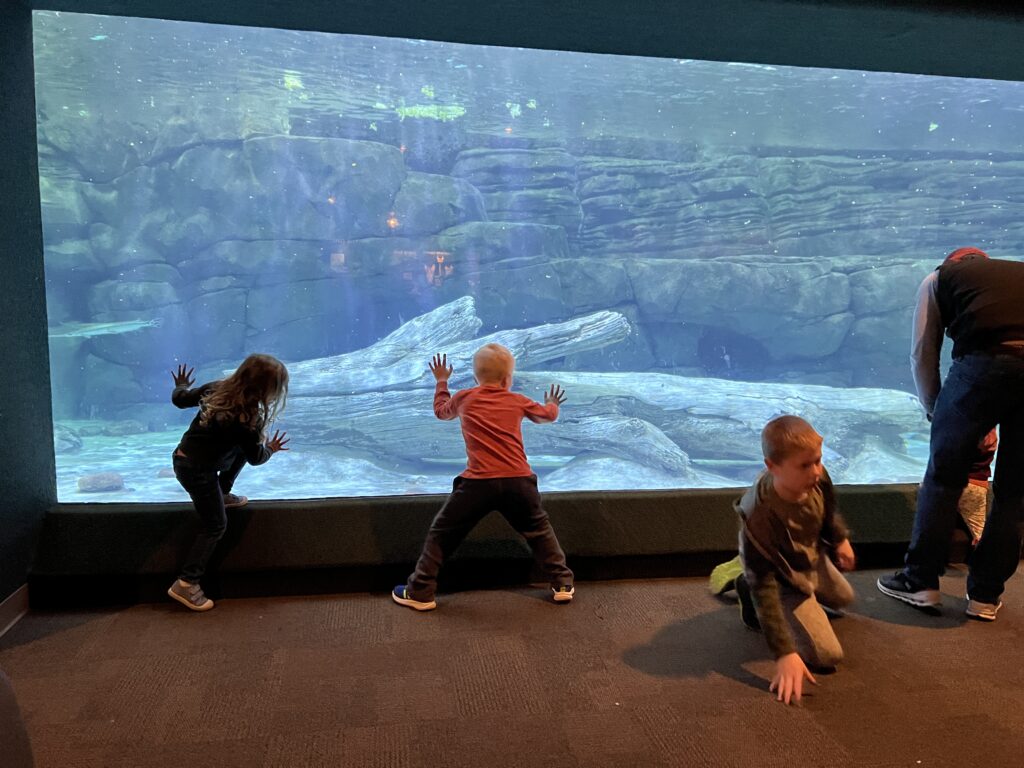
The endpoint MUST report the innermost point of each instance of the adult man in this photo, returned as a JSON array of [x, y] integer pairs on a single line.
[[979, 302]]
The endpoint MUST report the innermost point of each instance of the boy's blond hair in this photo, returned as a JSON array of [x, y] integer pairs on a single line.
[[492, 363], [785, 435]]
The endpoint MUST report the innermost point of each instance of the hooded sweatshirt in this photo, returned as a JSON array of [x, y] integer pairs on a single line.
[[780, 544]]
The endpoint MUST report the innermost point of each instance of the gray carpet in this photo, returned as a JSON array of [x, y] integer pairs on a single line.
[[633, 673]]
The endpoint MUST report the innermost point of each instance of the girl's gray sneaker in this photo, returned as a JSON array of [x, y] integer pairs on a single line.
[[190, 596]]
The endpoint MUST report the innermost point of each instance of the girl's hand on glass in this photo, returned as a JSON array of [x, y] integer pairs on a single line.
[[183, 377], [554, 395], [440, 368], [277, 442]]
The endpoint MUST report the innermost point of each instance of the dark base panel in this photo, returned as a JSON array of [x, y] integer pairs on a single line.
[[325, 546]]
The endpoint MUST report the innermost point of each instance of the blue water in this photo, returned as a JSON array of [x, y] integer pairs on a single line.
[[694, 247]]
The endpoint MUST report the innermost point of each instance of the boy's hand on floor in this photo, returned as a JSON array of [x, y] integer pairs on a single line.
[[440, 368], [788, 682], [845, 558]]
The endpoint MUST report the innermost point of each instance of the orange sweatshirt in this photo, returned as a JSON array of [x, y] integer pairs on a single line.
[[491, 419]]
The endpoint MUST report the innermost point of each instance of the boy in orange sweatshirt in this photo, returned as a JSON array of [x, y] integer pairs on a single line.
[[497, 476]]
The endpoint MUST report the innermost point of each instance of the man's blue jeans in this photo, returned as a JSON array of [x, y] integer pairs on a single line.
[[980, 392]]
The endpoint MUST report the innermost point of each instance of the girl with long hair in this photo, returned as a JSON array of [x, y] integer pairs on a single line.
[[231, 428]]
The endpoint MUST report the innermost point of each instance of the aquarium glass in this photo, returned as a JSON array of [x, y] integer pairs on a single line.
[[687, 247]]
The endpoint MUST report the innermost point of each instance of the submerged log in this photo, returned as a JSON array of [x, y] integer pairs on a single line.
[[366, 370], [400, 361]]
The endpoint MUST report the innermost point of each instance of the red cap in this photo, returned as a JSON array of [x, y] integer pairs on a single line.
[[961, 254]]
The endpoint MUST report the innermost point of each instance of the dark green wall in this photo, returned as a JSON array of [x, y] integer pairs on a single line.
[[967, 39], [26, 435]]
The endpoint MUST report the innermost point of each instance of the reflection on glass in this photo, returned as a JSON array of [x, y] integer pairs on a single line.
[[688, 247]]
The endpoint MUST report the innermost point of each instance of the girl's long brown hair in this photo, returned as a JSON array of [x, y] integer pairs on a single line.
[[253, 395]]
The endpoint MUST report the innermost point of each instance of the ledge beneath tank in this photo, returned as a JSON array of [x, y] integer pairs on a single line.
[[92, 554]]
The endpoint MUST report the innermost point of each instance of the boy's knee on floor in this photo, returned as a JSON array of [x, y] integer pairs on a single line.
[[843, 597], [825, 655]]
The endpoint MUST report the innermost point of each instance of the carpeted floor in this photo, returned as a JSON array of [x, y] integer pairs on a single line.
[[636, 673]]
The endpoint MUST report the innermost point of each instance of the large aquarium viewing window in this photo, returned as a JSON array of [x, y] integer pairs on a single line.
[[687, 247]]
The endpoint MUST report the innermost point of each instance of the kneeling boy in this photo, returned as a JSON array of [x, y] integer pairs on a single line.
[[790, 532]]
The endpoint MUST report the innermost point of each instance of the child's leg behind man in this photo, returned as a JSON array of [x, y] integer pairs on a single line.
[[226, 479], [469, 502], [519, 503], [816, 641]]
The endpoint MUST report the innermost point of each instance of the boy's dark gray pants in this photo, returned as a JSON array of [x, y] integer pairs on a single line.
[[816, 641], [517, 500]]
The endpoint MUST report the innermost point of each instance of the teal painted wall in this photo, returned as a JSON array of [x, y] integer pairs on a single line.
[[26, 433]]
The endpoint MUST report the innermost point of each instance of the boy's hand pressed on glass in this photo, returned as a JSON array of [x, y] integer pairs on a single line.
[[183, 378], [440, 368], [845, 558], [554, 395], [278, 441], [788, 682]]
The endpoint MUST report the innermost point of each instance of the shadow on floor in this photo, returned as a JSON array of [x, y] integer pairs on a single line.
[[715, 642], [872, 604]]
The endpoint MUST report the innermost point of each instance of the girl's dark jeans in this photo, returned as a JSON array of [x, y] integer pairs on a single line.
[[206, 487]]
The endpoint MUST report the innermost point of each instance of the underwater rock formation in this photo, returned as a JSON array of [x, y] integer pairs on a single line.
[[741, 262], [101, 482], [526, 185], [428, 203], [66, 439], [378, 403]]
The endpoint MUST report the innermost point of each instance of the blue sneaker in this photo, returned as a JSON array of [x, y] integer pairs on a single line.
[[900, 587], [400, 595]]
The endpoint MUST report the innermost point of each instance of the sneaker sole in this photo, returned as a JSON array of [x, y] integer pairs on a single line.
[[911, 598], [184, 601], [563, 597], [416, 605], [237, 504], [981, 616]]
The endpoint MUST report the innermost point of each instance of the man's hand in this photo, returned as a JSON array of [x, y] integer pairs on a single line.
[[788, 682], [440, 368], [183, 377], [554, 395], [277, 442]]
